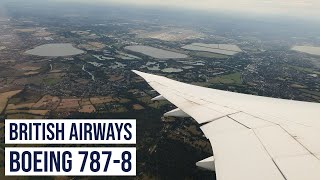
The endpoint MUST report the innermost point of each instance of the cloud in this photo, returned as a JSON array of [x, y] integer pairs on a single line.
[[286, 7]]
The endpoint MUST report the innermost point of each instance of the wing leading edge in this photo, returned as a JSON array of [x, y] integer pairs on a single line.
[[252, 137]]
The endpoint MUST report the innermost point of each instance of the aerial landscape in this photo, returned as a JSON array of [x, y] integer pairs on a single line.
[[61, 61]]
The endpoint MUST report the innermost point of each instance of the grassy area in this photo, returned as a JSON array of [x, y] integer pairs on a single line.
[[307, 70], [23, 116], [145, 99], [315, 93], [158, 104], [119, 109], [234, 78], [27, 96], [35, 112], [4, 98], [51, 81], [209, 55]]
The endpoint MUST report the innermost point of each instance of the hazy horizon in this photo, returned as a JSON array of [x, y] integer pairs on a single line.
[[294, 8]]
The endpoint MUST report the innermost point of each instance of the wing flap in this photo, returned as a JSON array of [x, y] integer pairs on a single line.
[[220, 126], [304, 167], [308, 136], [250, 121], [279, 143], [240, 155]]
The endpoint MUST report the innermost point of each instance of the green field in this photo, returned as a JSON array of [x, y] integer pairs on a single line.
[[307, 70], [209, 55], [234, 78], [315, 93], [23, 116], [51, 81]]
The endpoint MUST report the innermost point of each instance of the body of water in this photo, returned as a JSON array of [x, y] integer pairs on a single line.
[[156, 52], [55, 50], [171, 70], [225, 49], [92, 76]]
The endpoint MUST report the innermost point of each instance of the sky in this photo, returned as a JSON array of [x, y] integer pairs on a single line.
[[306, 8]]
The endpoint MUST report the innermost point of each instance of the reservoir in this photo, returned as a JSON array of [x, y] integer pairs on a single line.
[[156, 52], [171, 70], [225, 49], [55, 50]]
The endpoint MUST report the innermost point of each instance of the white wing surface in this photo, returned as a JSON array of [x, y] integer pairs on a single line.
[[252, 137]]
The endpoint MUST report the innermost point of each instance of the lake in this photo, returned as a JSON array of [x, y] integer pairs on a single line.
[[156, 52], [55, 50], [225, 49], [171, 70]]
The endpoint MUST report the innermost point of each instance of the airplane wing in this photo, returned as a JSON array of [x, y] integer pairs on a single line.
[[252, 137]]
